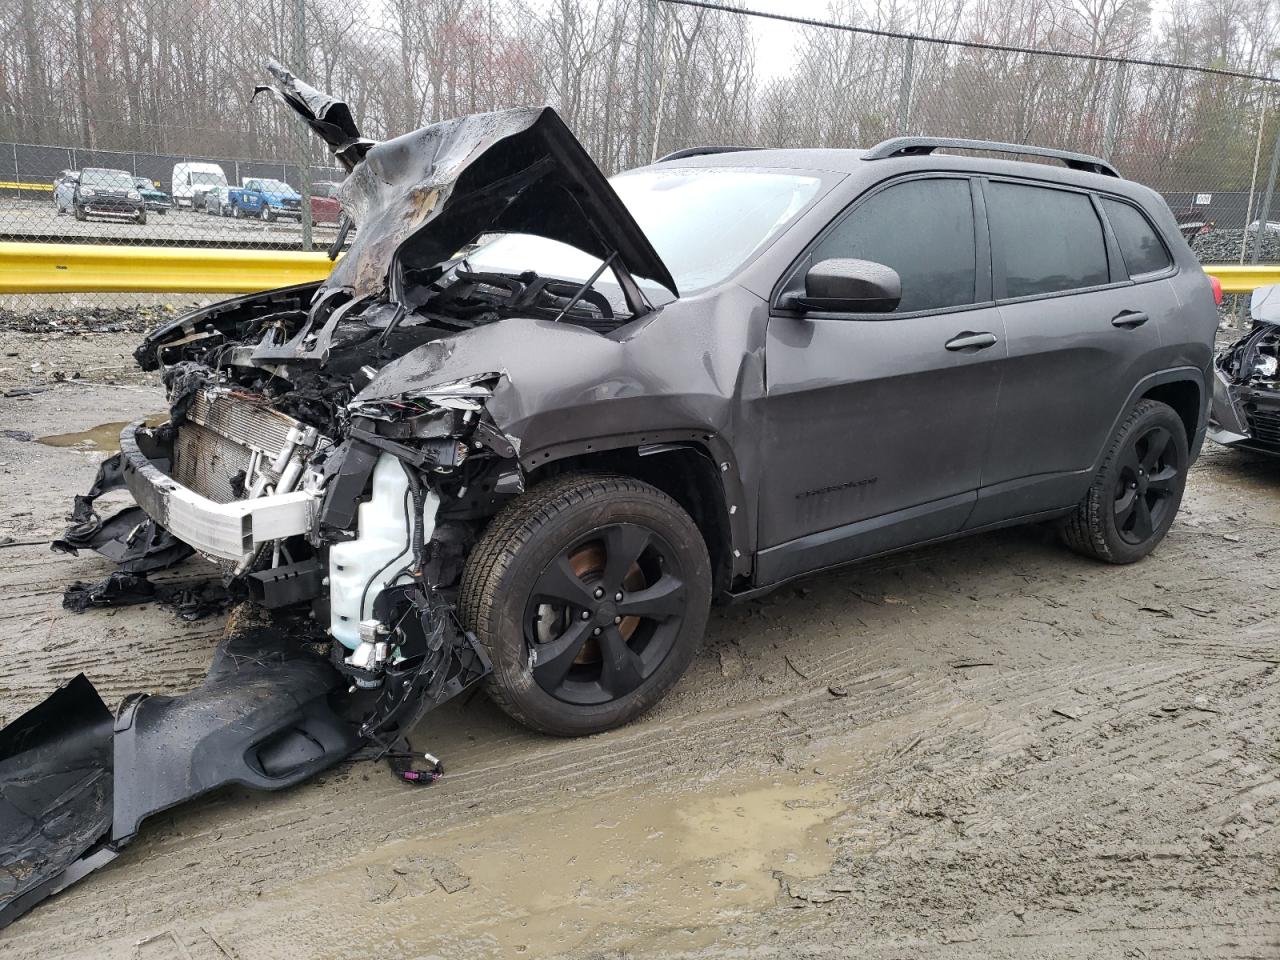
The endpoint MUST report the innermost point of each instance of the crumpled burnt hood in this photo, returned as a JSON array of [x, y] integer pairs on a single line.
[[423, 196]]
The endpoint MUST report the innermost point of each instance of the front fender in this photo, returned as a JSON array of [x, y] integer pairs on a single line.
[[565, 391]]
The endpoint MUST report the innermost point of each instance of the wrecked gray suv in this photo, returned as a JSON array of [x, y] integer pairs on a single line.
[[536, 421]]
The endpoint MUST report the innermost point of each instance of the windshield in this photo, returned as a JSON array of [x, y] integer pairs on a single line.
[[142, 183], [274, 186], [106, 179], [206, 179], [705, 223]]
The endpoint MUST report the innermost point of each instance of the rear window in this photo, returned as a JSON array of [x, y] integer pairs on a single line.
[[1046, 240], [1140, 245]]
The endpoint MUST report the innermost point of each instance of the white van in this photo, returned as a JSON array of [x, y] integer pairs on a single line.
[[191, 181]]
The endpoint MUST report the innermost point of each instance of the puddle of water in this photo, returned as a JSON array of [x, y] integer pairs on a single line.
[[633, 864], [105, 436]]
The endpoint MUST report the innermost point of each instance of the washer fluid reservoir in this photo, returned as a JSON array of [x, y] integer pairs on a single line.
[[380, 555]]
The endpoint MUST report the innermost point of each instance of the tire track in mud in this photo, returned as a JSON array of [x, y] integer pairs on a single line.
[[970, 810], [551, 769], [122, 651], [813, 718], [1085, 839]]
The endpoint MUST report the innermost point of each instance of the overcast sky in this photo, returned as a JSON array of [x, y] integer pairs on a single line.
[[775, 39]]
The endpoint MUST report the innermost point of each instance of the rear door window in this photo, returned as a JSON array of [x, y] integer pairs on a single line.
[[1143, 250], [1044, 240], [921, 228]]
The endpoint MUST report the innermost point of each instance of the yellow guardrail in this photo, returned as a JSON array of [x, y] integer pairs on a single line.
[[15, 185], [1243, 277], [101, 268]]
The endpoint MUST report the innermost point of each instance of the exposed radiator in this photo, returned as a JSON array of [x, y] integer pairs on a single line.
[[215, 448]]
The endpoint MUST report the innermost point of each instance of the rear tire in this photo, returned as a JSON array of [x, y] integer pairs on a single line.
[[541, 590], [1137, 490]]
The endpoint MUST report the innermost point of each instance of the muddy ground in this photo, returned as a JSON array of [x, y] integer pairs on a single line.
[[992, 748]]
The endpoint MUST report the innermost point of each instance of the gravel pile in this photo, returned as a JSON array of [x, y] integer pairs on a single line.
[[1223, 246]]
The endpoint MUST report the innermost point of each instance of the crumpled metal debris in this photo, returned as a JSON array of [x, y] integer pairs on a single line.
[[130, 538], [122, 588]]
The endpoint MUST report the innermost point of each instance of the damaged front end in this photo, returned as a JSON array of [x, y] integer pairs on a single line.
[[325, 452], [1246, 394]]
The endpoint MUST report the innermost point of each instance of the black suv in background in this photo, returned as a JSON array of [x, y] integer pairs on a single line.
[[100, 192]]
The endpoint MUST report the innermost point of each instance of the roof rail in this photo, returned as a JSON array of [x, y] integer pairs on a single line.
[[700, 152], [922, 146]]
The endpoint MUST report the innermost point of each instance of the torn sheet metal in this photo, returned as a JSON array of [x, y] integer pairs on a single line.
[[511, 171], [326, 115]]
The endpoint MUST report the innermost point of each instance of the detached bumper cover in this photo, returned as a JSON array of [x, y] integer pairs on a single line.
[[228, 531], [75, 784]]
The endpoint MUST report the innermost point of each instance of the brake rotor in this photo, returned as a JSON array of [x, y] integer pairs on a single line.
[[588, 563]]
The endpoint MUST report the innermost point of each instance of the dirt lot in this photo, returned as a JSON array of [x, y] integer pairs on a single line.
[[988, 749]]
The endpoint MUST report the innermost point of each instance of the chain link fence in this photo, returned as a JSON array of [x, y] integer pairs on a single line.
[[161, 89]]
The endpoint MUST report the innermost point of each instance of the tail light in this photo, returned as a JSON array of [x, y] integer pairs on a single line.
[[1217, 289]]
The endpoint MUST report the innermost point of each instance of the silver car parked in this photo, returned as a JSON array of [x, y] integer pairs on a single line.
[[64, 189]]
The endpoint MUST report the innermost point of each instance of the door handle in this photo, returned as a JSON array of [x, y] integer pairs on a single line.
[[1128, 319], [971, 341]]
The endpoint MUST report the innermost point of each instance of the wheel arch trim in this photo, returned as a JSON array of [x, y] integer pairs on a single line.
[[735, 509], [1183, 374]]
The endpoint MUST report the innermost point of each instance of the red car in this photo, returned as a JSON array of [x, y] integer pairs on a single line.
[[324, 202]]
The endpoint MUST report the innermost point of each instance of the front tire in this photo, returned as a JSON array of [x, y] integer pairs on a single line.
[[1137, 490], [591, 594]]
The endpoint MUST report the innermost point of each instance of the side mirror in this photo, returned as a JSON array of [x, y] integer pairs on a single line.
[[849, 286]]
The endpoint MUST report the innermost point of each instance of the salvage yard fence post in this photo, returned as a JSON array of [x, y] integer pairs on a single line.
[[301, 134], [905, 86]]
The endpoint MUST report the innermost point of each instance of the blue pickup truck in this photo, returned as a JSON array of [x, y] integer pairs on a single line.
[[267, 199]]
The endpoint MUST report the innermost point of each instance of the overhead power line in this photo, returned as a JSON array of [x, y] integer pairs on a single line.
[[971, 44]]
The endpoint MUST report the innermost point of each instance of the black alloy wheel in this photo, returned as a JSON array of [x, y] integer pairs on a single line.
[[591, 593], [1136, 490], [604, 614], [1148, 473]]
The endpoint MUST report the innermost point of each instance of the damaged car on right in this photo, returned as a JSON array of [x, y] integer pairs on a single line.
[[1246, 384]]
